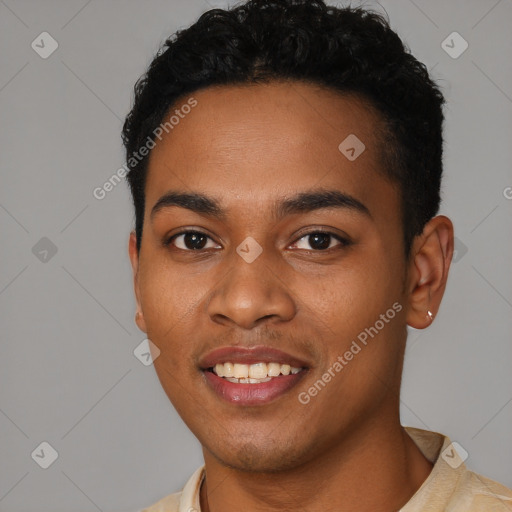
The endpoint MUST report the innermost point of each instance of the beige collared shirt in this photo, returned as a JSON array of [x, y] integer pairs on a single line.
[[450, 487]]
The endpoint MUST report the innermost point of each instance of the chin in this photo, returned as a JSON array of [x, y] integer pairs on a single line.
[[255, 458]]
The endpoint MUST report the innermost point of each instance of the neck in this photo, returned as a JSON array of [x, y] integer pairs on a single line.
[[378, 469]]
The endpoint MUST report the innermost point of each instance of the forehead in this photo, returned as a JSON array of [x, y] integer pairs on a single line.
[[252, 143]]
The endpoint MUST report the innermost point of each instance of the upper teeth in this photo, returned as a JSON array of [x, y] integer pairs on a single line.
[[253, 371]]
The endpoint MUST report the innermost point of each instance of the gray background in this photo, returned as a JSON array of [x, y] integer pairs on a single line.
[[68, 374]]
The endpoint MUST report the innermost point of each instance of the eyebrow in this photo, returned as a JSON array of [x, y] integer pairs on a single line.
[[302, 202]]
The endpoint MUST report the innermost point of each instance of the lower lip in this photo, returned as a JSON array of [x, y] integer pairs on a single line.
[[252, 394]]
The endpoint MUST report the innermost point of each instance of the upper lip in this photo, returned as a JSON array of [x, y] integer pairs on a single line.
[[246, 355]]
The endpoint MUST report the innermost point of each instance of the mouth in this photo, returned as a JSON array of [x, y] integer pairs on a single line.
[[251, 376], [252, 373]]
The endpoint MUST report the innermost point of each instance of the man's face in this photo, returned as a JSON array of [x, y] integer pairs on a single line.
[[308, 296]]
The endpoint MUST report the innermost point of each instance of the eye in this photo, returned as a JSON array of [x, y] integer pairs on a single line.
[[197, 241], [321, 241], [190, 241]]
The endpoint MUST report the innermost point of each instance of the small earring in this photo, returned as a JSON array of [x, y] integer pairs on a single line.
[[430, 315]]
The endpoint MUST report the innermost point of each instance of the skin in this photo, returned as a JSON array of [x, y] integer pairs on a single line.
[[248, 147]]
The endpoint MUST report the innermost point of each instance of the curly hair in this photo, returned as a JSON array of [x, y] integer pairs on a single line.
[[350, 50]]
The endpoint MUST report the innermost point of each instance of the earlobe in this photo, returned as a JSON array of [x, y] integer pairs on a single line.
[[428, 272], [139, 320], [134, 259]]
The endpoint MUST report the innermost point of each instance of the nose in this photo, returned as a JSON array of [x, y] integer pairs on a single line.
[[250, 294]]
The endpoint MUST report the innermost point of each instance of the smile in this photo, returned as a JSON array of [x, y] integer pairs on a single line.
[[253, 373], [251, 376]]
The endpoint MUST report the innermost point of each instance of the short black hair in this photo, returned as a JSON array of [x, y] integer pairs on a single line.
[[349, 49]]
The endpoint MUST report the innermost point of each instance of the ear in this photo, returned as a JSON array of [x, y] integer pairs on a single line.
[[134, 258], [431, 255]]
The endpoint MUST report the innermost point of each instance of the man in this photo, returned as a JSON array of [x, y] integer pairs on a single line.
[[285, 167]]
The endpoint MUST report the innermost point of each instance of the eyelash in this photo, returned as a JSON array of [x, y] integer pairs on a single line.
[[344, 242]]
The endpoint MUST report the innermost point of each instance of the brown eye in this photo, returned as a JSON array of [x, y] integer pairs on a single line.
[[190, 241], [320, 241]]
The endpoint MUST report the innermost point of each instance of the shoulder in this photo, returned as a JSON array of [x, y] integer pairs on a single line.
[[477, 493], [451, 486], [187, 499]]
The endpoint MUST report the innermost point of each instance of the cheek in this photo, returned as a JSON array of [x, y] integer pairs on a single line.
[[347, 302], [347, 309], [170, 303]]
